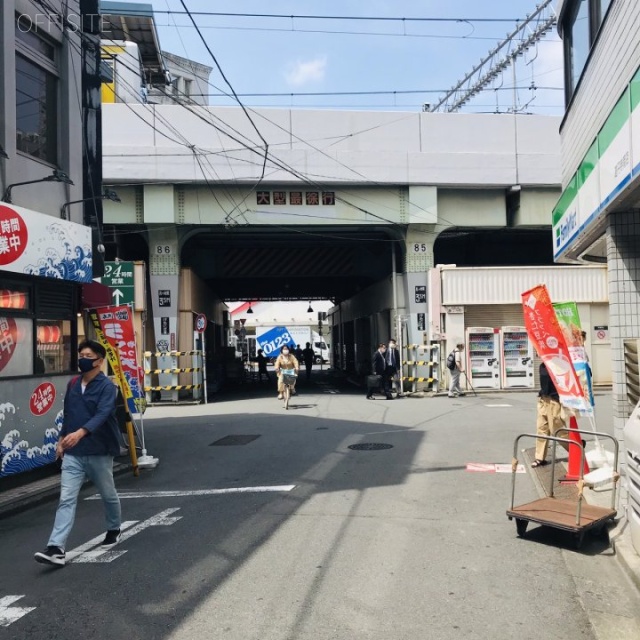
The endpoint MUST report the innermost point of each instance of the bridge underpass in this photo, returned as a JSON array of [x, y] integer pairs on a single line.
[[262, 263], [309, 263]]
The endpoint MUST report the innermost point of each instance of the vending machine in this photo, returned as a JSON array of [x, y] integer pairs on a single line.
[[516, 358], [483, 357]]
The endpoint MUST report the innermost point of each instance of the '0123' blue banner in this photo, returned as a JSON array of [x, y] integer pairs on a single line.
[[273, 340]]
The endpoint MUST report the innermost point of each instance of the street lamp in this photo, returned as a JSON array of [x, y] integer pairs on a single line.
[[310, 309], [56, 176], [107, 194]]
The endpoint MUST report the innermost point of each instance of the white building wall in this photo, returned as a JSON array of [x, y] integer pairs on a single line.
[[614, 60], [340, 146], [499, 285]]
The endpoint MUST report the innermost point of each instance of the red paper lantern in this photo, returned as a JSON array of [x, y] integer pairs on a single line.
[[13, 299], [49, 333]]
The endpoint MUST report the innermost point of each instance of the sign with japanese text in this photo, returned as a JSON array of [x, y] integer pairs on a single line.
[[40, 245], [569, 319], [8, 340], [164, 297], [548, 339], [296, 198], [115, 331], [421, 294], [42, 399], [118, 276]]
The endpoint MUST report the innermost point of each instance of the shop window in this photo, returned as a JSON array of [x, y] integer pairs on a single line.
[[15, 298], [16, 346], [36, 93], [53, 346], [38, 328]]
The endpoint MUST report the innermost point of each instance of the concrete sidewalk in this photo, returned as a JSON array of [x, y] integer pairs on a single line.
[[619, 535]]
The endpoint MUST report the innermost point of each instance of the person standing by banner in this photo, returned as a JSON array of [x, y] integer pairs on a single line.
[[89, 440], [548, 338], [549, 416]]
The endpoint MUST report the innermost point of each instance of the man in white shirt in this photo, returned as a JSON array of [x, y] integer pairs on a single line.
[[454, 385]]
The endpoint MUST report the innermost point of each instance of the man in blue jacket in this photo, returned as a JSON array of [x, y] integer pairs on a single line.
[[89, 440]]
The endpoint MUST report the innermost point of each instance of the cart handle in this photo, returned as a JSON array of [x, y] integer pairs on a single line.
[[616, 451], [555, 440]]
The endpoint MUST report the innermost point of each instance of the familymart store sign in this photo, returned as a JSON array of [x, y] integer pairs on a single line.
[[611, 163]]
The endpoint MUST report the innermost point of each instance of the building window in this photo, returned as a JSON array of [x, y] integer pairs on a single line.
[[53, 346], [36, 95], [580, 41], [38, 328], [581, 24], [604, 6], [107, 70]]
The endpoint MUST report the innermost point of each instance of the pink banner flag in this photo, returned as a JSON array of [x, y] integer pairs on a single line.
[[548, 339], [114, 328]]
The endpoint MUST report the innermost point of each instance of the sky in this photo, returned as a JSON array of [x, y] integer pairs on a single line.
[[298, 55]]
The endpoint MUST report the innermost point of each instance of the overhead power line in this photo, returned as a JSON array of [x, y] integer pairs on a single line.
[[532, 29], [388, 92], [399, 19]]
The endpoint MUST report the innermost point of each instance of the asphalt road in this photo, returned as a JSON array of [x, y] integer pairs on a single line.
[[341, 544]]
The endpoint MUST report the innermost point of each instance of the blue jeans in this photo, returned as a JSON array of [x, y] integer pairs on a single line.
[[99, 469]]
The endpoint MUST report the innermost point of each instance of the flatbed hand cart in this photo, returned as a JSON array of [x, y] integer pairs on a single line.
[[568, 515]]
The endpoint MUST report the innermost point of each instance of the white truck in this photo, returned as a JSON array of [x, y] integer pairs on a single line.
[[272, 338]]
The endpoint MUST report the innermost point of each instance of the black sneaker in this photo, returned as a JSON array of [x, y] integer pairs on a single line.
[[111, 539], [51, 555]]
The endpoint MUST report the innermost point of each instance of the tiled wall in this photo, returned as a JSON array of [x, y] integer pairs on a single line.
[[623, 258]]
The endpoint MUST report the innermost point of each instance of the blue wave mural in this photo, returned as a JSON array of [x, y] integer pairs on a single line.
[[76, 264], [17, 455]]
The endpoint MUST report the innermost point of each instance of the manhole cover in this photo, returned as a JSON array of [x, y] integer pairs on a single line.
[[370, 446], [229, 441]]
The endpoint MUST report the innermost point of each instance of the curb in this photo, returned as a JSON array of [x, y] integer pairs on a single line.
[[624, 551]]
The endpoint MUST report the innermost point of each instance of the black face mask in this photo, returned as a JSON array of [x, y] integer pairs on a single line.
[[86, 364]]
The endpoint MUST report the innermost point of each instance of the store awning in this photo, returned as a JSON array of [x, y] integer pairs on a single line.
[[95, 294]]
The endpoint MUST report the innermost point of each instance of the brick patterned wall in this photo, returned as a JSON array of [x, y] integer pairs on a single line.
[[623, 261]]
